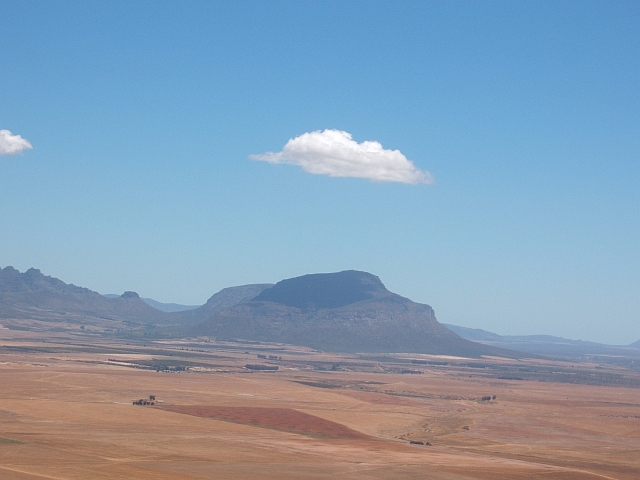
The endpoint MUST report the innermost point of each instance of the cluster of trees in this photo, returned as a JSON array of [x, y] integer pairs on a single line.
[[271, 368], [488, 398]]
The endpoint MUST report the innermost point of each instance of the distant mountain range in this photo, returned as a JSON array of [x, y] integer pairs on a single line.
[[163, 307], [34, 296], [540, 344], [347, 311]]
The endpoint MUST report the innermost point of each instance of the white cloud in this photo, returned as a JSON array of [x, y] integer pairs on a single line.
[[335, 153], [11, 144]]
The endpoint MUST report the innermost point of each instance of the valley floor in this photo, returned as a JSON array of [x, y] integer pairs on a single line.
[[66, 412]]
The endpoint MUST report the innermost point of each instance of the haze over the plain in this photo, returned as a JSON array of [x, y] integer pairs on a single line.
[[481, 158]]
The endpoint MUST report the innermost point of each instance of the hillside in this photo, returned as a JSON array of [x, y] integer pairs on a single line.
[[474, 334], [168, 307], [347, 311], [163, 307], [34, 296], [178, 322]]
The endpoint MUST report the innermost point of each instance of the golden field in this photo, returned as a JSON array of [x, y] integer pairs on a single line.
[[66, 413]]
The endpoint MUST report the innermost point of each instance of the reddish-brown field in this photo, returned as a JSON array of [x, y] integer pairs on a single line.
[[66, 413], [285, 419]]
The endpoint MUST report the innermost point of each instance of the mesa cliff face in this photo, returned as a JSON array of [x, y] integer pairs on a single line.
[[347, 311]]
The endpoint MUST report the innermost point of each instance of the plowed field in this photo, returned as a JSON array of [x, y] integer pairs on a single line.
[[284, 419]]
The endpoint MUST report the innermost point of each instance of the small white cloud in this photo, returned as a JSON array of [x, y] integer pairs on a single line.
[[335, 153], [11, 144]]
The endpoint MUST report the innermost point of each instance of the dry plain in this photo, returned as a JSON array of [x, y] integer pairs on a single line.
[[66, 412]]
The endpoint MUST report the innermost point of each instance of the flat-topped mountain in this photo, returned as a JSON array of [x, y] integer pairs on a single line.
[[346, 311], [324, 290], [32, 295]]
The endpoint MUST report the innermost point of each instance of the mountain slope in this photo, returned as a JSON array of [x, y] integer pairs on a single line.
[[32, 295], [347, 311], [163, 307], [474, 334], [168, 307], [225, 298]]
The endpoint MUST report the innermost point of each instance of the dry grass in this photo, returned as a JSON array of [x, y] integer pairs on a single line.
[[66, 413]]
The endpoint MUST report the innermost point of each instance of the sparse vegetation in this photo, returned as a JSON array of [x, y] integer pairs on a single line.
[[307, 398], [270, 368], [9, 441]]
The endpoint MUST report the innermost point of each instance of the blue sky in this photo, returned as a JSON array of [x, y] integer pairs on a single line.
[[143, 115]]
